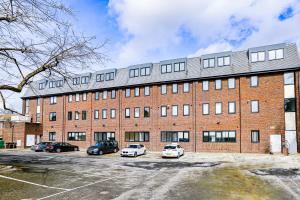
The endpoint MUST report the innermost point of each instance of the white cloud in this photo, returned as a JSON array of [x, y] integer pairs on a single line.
[[152, 27]]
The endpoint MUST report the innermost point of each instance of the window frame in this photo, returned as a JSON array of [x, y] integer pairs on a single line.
[[113, 113], [174, 88], [136, 91], [161, 109], [84, 96], [104, 94], [136, 136], [78, 136], [218, 103], [70, 98], [234, 83], [84, 115], [96, 114], [258, 136], [174, 106], [100, 77], [204, 88], [207, 139], [77, 115], [251, 106], [52, 136], [135, 112], [208, 110], [234, 103], [113, 94], [127, 92], [161, 89], [97, 95], [184, 87], [257, 81], [127, 109], [145, 108], [53, 100], [147, 93], [52, 118], [168, 136], [216, 84], [188, 109], [70, 115], [104, 113]]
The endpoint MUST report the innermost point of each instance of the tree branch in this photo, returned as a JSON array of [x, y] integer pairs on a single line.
[[8, 19], [4, 105]]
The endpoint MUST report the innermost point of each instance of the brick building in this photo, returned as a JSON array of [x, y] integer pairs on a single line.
[[244, 101]]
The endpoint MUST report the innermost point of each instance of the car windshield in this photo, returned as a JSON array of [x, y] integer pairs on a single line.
[[98, 144], [170, 147], [133, 146]]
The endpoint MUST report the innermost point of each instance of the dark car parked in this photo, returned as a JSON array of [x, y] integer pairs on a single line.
[[40, 146], [103, 147], [61, 146]]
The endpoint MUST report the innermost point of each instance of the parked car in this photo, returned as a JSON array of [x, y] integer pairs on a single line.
[[40, 146], [173, 150], [61, 146], [134, 150], [103, 147]]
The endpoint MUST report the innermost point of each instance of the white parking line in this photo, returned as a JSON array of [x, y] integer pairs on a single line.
[[36, 184], [77, 188]]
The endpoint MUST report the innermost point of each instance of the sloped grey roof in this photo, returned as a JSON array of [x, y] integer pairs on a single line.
[[240, 64]]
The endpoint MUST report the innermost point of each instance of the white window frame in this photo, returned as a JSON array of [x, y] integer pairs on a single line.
[[218, 84], [104, 94], [174, 88], [104, 113], [163, 89], [276, 54], [254, 106], [205, 108], [231, 83], [205, 85], [218, 108], [232, 107], [127, 112], [96, 114], [137, 112], [112, 113], [186, 87], [84, 96], [127, 92], [163, 111], [147, 91], [253, 81], [113, 94], [77, 97], [70, 98], [186, 109], [175, 110], [137, 92]]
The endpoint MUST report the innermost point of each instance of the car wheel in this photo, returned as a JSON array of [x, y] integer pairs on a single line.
[[145, 152], [115, 150], [135, 154], [58, 150], [75, 149], [100, 152]]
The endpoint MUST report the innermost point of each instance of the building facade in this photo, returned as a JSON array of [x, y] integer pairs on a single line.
[[245, 101]]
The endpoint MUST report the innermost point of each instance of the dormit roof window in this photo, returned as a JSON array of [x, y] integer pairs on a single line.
[[145, 71], [59, 83], [110, 76], [99, 77], [180, 66], [41, 86], [134, 73], [258, 56], [84, 79], [166, 68], [76, 81], [208, 62], [223, 61], [276, 54], [52, 84]]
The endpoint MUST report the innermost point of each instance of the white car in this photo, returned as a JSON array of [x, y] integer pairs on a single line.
[[172, 150], [134, 150]]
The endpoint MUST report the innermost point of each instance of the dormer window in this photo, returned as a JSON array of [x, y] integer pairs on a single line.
[[276, 54], [51, 84], [166, 68], [210, 62], [134, 73], [41, 86], [84, 80], [178, 67], [100, 77], [223, 61], [145, 71], [76, 81], [59, 83], [259, 56], [110, 76]]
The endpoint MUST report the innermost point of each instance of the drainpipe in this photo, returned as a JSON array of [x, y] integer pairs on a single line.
[[240, 109], [120, 114], [92, 118], [195, 115]]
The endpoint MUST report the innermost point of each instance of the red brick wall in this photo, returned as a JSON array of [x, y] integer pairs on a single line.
[[269, 120]]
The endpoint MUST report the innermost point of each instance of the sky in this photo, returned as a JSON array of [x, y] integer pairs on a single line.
[[142, 31]]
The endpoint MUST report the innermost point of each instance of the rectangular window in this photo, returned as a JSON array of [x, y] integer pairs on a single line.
[[76, 136], [290, 105], [70, 98], [254, 106], [136, 136], [84, 96], [51, 84], [174, 110], [166, 68], [97, 95], [288, 78], [147, 91], [96, 114], [104, 113], [205, 108], [174, 88], [258, 56], [186, 87], [218, 108], [83, 115], [231, 107], [127, 92], [59, 83], [104, 94], [208, 62], [104, 136], [113, 94], [174, 136], [53, 100], [163, 111], [134, 73], [223, 61], [276, 54], [38, 117], [110, 76], [70, 115], [178, 67], [186, 110], [26, 106], [146, 112], [163, 89], [99, 77], [41, 86], [254, 81], [52, 136], [219, 136], [52, 116], [112, 113], [76, 115], [136, 112], [205, 85], [77, 97], [127, 112], [255, 137], [218, 84], [136, 92], [231, 83], [145, 71]]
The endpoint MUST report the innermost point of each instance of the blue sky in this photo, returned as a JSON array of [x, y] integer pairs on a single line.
[[141, 31]]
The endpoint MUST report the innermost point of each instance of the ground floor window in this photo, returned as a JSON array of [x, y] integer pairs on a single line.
[[219, 136], [175, 136], [136, 136], [76, 136], [52, 136], [103, 136], [255, 136]]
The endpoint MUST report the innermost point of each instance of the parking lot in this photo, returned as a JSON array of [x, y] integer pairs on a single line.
[[74, 175]]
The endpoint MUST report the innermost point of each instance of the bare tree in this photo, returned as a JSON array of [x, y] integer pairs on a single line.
[[36, 39]]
